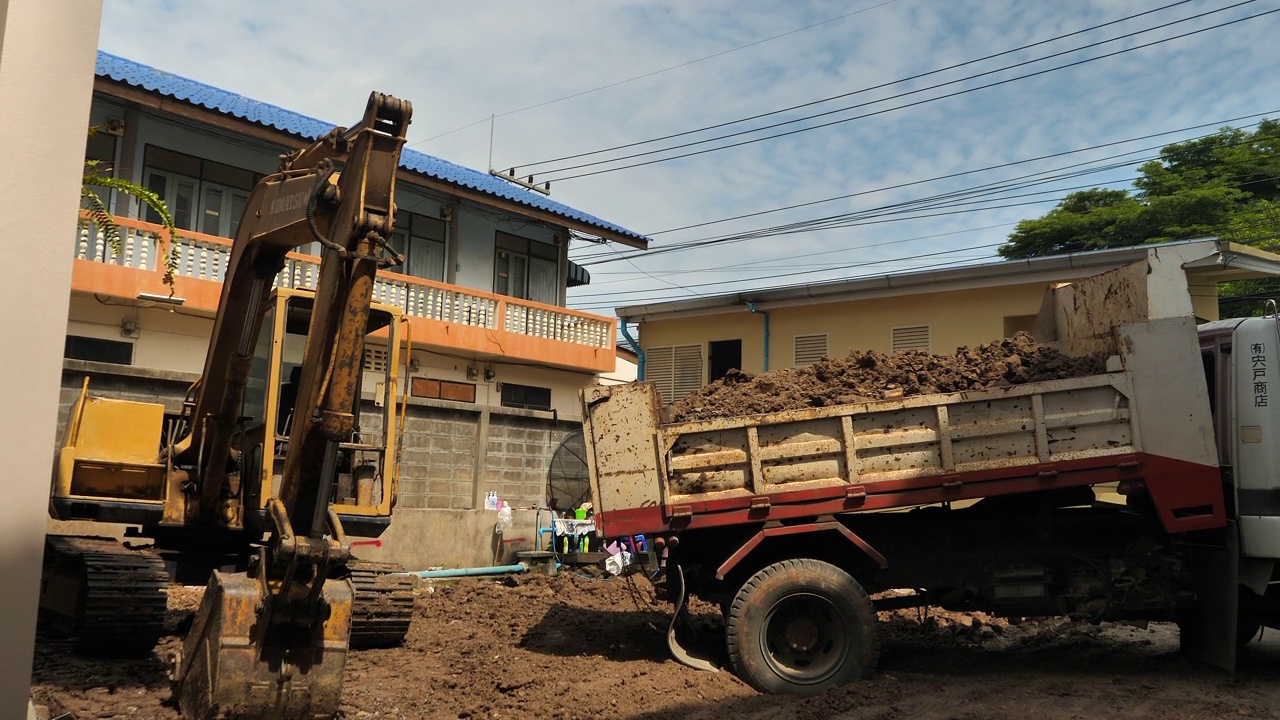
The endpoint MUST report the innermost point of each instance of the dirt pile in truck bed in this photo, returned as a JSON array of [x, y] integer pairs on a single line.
[[866, 376]]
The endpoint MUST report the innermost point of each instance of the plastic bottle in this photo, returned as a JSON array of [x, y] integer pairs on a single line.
[[504, 520]]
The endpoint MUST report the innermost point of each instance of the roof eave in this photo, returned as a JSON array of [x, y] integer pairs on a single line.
[[997, 273]]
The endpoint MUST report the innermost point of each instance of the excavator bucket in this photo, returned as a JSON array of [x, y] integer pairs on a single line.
[[235, 664]]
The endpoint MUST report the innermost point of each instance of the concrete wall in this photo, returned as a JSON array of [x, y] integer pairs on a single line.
[[442, 467], [420, 539], [46, 79]]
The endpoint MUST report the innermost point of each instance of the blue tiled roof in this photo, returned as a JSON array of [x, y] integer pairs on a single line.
[[197, 93]]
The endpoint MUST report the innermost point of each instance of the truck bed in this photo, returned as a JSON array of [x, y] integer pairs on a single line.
[[649, 477]]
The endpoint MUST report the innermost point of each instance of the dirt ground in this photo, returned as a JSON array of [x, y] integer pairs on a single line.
[[867, 376], [575, 646]]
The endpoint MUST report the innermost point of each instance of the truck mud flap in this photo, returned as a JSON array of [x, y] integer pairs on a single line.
[[1208, 629], [684, 649]]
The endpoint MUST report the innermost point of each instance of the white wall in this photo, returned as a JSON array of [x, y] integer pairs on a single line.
[[167, 339], [478, 242], [47, 54], [172, 134], [625, 370]]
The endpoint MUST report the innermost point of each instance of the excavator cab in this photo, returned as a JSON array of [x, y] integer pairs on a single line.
[[365, 483]]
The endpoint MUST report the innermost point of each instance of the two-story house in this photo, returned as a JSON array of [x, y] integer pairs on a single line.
[[497, 359]]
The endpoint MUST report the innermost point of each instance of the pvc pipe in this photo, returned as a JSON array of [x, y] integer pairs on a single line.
[[634, 346], [752, 306], [468, 572]]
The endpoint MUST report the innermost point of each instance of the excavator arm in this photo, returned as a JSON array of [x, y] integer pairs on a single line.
[[272, 642]]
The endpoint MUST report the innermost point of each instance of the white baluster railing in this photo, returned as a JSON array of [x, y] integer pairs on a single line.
[[207, 258]]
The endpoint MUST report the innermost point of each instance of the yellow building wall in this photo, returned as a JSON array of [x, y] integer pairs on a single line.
[[955, 318]]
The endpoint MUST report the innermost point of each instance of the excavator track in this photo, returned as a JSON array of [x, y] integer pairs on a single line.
[[383, 606], [109, 598]]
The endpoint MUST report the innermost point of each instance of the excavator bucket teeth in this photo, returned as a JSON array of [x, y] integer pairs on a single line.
[[234, 666]]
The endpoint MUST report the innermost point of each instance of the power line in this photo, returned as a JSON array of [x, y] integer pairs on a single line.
[[663, 70], [986, 188], [751, 291], [886, 110], [846, 219], [854, 92], [815, 254], [1219, 123], [727, 282], [792, 231]]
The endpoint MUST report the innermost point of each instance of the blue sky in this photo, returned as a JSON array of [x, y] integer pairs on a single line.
[[460, 62]]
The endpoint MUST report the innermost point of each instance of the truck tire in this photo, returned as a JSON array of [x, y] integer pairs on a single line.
[[800, 627]]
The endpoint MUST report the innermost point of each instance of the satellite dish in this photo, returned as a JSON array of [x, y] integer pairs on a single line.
[[568, 484]]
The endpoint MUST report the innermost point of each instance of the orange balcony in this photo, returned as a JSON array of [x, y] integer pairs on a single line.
[[443, 317]]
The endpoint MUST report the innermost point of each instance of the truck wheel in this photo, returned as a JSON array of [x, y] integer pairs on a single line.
[[800, 627]]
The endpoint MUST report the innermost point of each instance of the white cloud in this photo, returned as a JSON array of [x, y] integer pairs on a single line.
[[460, 62]]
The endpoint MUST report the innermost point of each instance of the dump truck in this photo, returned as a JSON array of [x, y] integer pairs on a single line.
[[1145, 492], [256, 483]]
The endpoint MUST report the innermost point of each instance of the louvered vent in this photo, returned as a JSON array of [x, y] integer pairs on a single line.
[[912, 337], [675, 369], [810, 349], [659, 369], [375, 359], [688, 362]]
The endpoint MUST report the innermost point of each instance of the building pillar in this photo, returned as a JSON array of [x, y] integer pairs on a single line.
[[479, 484], [47, 56]]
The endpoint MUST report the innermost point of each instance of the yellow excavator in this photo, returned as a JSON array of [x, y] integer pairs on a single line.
[[257, 482]]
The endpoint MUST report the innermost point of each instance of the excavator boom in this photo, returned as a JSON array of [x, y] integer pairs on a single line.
[[272, 642]]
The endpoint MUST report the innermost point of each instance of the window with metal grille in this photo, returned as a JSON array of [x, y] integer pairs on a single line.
[[375, 359], [98, 350], [810, 349], [910, 337], [526, 396], [675, 369]]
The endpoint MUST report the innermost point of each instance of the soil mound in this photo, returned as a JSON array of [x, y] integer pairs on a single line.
[[866, 376]]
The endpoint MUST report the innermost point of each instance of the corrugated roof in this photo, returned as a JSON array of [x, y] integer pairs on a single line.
[[197, 93]]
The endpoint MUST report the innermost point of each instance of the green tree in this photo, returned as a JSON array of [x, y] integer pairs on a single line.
[[1224, 185], [1258, 226], [95, 180]]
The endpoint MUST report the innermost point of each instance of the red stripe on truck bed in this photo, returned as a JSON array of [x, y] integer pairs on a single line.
[[1188, 496]]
